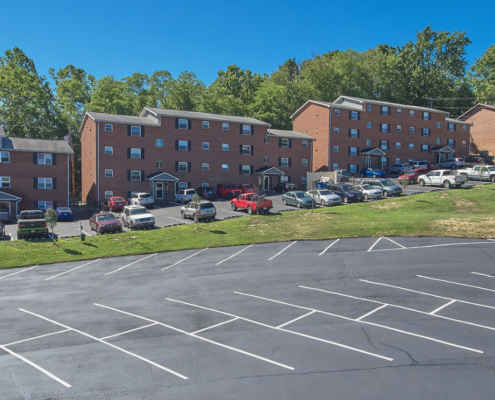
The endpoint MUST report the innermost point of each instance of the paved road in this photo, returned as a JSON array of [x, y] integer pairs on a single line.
[[368, 318]]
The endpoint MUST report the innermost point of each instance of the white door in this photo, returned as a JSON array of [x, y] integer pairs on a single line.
[[159, 190]]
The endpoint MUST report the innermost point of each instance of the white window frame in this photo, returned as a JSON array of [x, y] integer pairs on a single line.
[[246, 150], [45, 205], [304, 162], [411, 113], [384, 108], [438, 141], [399, 111], [205, 125], [108, 194], [304, 143], [424, 132], [398, 145], [383, 142], [2, 155], [354, 114], [225, 147], [266, 140], [353, 151], [225, 126], [304, 180], [464, 127], [136, 131], [182, 166], [411, 129], [134, 152], [246, 129], [159, 143], [397, 160], [108, 127], [368, 142], [109, 173], [426, 114], [335, 131], [335, 166], [422, 148], [411, 146], [207, 147], [181, 122], [182, 185], [354, 133], [133, 172], [399, 128], [284, 143], [383, 126], [180, 145], [225, 167], [368, 125], [205, 167], [451, 126], [336, 112], [110, 151], [43, 183], [159, 164], [335, 149], [44, 157], [464, 144], [439, 125], [450, 142], [205, 184], [266, 160], [284, 162], [245, 168], [2, 180], [370, 107], [353, 168]]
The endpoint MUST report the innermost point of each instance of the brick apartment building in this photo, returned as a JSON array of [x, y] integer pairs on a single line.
[[34, 174], [162, 151], [483, 131], [352, 133]]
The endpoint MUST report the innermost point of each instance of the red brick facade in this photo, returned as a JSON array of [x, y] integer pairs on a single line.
[[483, 131], [332, 150]]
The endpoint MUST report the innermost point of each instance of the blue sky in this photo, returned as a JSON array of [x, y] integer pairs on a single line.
[[121, 37]]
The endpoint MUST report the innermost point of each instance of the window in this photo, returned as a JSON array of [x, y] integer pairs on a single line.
[[304, 180], [335, 166], [108, 193], [108, 150], [45, 159], [136, 153], [352, 168], [424, 148], [225, 167], [370, 107], [439, 125], [246, 150], [205, 184], [426, 116], [225, 147], [304, 143], [335, 131], [385, 111], [225, 126], [109, 173], [425, 132], [266, 160], [412, 113], [246, 170], [354, 115], [463, 143], [182, 166], [206, 146], [450, 142], [4, 156], [135, 131], [368, 125], [45, 205], [383, 160], [438, 141], [304, 162], [336, 112], [266, 140], [368, 142], [464, 127], [182, 124], [397, 145], [397, 160], [284, 142], [284, 162], [108, 128], [159, 165], [246, 129], [383, 127], [353, 151], [159, 142], [335, 149], [5, 182], [451, 127], [183, 185], [411, 129], [205, 167], [411, 146], [353, 133], [383, 144], [183, 145], [399, 128], [399, 111], [135, 175], [206, 125], [45, 183]]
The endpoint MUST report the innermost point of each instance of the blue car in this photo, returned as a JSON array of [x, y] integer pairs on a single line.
[[64, 213], [372, 173]]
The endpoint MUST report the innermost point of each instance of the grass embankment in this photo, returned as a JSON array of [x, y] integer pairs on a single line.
[[466, 213]]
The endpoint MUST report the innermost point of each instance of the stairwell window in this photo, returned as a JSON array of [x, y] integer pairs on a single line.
[[266, 160], [225, 167], [108, 150], [4, 156], [108, 127], [335, 131], [205, 167], [109, 173], [368, 142], [225, 126], [368, 125], [439, 125], [4, 181], [335, 149], [159, 142], [206, 124], [304, 162], [159, 165]]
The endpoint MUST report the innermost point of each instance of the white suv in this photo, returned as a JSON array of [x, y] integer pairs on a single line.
[[142, 199], [184, 195]]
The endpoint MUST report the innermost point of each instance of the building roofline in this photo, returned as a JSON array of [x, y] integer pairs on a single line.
[[456, 121], [325, 104], [492, 107]]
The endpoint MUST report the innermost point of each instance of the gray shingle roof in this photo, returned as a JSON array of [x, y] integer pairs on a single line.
[[35, 145], [456, 121], [2, 132], [205, 116], [289, 134], [123, 119], [386, 103]]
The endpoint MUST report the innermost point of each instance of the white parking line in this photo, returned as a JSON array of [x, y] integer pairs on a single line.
[[86, 233], [365, 322], [198, 337], [36, 337], [371, 312], [32, 364], [478, 273], [296, 319], [184, 259], [433, 245], [285, 330], [181, 220], [455, 283], [442, 307], [281, 251], [18, 272], [129, 331], [233, 255], [214, 326], [106, 343], [398, 244], [374, 244], [323, 252], [125, 266], [73, 269]]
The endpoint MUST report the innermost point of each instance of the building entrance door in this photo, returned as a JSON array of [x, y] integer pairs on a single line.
[[159, 190]]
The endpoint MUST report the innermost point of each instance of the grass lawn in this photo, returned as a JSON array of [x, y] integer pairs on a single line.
[[468, 213]]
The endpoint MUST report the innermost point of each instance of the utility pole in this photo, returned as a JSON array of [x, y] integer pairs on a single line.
[[73, 164]]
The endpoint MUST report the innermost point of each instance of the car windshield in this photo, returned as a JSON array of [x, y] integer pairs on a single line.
[[387, 183], [144, 195], [249, 185], [489, 169], [326, 192], [31, 215], [208, 189], [106, 217], [231, 187], [346, 188], [301, 195], [63, 209], [367, 187], [137, 211], [117, 199], [190, 192], [205, 206]]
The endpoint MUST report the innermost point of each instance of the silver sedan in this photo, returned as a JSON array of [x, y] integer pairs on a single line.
[[324, 197]]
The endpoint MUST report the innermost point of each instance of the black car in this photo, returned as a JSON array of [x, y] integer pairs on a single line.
[[284, 187], [206, 192], [2, 231], [348, 193]]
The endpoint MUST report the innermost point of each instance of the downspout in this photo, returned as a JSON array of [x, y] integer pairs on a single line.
[[330, 139], [98, 161], [68, 181], [311, 158]]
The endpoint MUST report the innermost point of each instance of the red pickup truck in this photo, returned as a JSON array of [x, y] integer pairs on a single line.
[[227, 190], [252, 203]]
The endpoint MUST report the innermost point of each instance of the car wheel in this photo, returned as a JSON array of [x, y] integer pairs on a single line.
[[411, 181], [446, 185], [388, 171], [250, 210], [421, 182], [453, 166], [385, 193], [345, 200], [298, 205], [322, 203], [401, 172], [284, 201], [365, 197], [98, 231], [182, 200], [183, 214], [234, 208], [19, 236]]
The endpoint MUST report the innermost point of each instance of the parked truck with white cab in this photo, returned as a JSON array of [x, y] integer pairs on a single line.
[[442, 177], [480, 173]]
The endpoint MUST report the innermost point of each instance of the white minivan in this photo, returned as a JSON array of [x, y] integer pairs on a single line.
[[184, 195]]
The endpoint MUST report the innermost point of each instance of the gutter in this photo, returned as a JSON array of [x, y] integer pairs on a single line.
[[68, 182], [330, 139], [98, 160]]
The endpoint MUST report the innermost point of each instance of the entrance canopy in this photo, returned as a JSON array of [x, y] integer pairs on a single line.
[[161, 177], [443, 149], [368, 156], [270, 171], [266, 176], [8, 197]]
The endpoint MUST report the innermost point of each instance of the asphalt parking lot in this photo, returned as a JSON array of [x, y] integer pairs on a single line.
[[374, 318]]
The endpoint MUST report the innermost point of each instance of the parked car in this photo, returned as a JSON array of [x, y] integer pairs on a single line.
[[206, 192], [247, 188], [137, 217], [104, 223], [424, 165], [199, 211], [413, 175], [142, 199], [227, 191], [2, 231], [184, 195], [480, 172], [348, 193], [297, 198], [31, 223], [115, 203], [475, 159], [452, 163], [64, 213], [372, 173], [443, 177], [343, 175], [252, 202], [385, 185], [399, 168], [4, 215], [369, 192], [324, 197], [284, 187]]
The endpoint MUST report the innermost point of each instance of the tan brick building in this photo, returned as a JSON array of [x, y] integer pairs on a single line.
[[483, 131], [34, 174], [163, 150], [352, 133]]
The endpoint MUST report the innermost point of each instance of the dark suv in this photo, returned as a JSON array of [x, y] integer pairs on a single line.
[[284, 187], [206, 192], [348, 193]]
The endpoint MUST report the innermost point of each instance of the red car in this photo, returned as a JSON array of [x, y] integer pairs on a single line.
[[413, 174], [116, 203], [104, 222], [227, 190], [247, 188]]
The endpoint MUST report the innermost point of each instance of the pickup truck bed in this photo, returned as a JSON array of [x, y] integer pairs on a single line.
[[480, 172], [31, 223]]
